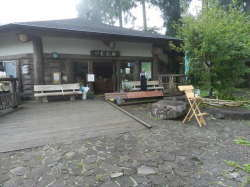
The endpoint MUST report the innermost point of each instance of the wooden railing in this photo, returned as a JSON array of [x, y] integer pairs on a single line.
[[8, 93], [170, 82]]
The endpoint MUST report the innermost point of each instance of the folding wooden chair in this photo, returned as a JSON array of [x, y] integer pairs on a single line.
[[194, 102]]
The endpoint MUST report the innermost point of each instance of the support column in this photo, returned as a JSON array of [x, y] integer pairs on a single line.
[[155, 68], [69, 68], [136, 71], [118, 76], [19, 75], [38, 60], [91, 71], [114, 76]]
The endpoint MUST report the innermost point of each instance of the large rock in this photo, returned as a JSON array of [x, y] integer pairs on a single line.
[[169, 109]]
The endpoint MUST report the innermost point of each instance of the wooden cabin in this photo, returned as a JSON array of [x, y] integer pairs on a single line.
[[66, 51]]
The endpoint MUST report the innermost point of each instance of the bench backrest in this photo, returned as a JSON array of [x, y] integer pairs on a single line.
[[56, 87], [136, 84]]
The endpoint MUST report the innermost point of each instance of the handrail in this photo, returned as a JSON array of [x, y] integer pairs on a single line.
[[9, 98]]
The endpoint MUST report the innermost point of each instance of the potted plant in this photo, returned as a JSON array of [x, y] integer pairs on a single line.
[[90, 95]]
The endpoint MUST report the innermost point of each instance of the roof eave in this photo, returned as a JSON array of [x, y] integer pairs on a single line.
[[28, 28]]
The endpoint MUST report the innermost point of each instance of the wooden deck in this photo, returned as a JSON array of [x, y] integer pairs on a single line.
[[49, 123]]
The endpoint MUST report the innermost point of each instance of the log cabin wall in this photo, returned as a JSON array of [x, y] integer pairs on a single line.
[[26, 77], [65, 65], [76, 51]]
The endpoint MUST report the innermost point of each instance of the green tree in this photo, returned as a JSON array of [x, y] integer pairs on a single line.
[[171, 10], [217, 42], [242, 4], [105, 11]]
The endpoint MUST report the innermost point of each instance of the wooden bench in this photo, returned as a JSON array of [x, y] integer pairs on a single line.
[[151, 85], [43, 91]]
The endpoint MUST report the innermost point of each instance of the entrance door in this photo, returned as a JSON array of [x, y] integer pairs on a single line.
[[104, 82]]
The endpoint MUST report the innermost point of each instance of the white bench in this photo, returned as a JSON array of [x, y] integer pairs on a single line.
[[43, 91], [151, 85]]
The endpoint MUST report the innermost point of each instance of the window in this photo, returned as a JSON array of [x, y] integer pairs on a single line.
[[10, 68], [147, 68], [1, 66], [126, 71]]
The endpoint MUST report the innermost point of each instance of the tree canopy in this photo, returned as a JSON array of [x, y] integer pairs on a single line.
[[171, 10], [109, 11], [105, 11], [217, 42], [243, 5]]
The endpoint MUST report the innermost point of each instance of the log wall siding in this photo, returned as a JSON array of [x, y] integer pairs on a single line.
[[26, 78], [63, 64]]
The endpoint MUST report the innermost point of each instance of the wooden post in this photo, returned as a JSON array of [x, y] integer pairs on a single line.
[[38, 60], [19, 75], [136, 71], [118, 77], [69, 68], [155, 69], [12, 84], [114, 76], [91, 71]]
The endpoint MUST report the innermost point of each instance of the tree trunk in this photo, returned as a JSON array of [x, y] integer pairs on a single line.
[[120, 14], [144, 15], [204, 4], [247, 7], [173, 15]]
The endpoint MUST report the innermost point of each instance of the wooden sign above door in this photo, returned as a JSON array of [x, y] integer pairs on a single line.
[[105, 53]]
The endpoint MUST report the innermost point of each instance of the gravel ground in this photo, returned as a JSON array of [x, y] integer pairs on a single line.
[[170, 154]]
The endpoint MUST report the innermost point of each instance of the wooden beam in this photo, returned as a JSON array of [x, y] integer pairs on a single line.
[[131, 115], [69, 68], [118, 76], [100, 59], [114, 76], [91, 71], [155, 68], [16, 57], [136, 71], [38, 61], [78, 57]]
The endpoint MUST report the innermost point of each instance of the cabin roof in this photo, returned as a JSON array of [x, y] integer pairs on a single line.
[[80, 25]]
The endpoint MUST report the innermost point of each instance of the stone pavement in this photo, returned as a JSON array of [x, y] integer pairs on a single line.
[[170, 154]]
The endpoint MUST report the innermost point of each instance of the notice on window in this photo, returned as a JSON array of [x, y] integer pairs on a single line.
[[91, 77], [127, 70], [57, 77], [25, 69]]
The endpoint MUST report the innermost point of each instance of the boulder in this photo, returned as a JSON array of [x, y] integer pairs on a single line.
[[169, 109]]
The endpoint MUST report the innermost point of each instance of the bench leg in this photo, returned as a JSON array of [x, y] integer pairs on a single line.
[[44, 100], [72, 98]]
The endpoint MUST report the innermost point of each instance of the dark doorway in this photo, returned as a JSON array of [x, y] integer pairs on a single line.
[[104, 77], [80, 72]]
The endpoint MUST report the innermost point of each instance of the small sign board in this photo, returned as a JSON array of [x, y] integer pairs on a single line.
[[57, 77], [55, 55], [105, 53], [90, 77], [25, 69]]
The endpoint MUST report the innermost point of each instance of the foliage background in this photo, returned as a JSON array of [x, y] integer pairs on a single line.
[[218, 44]]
